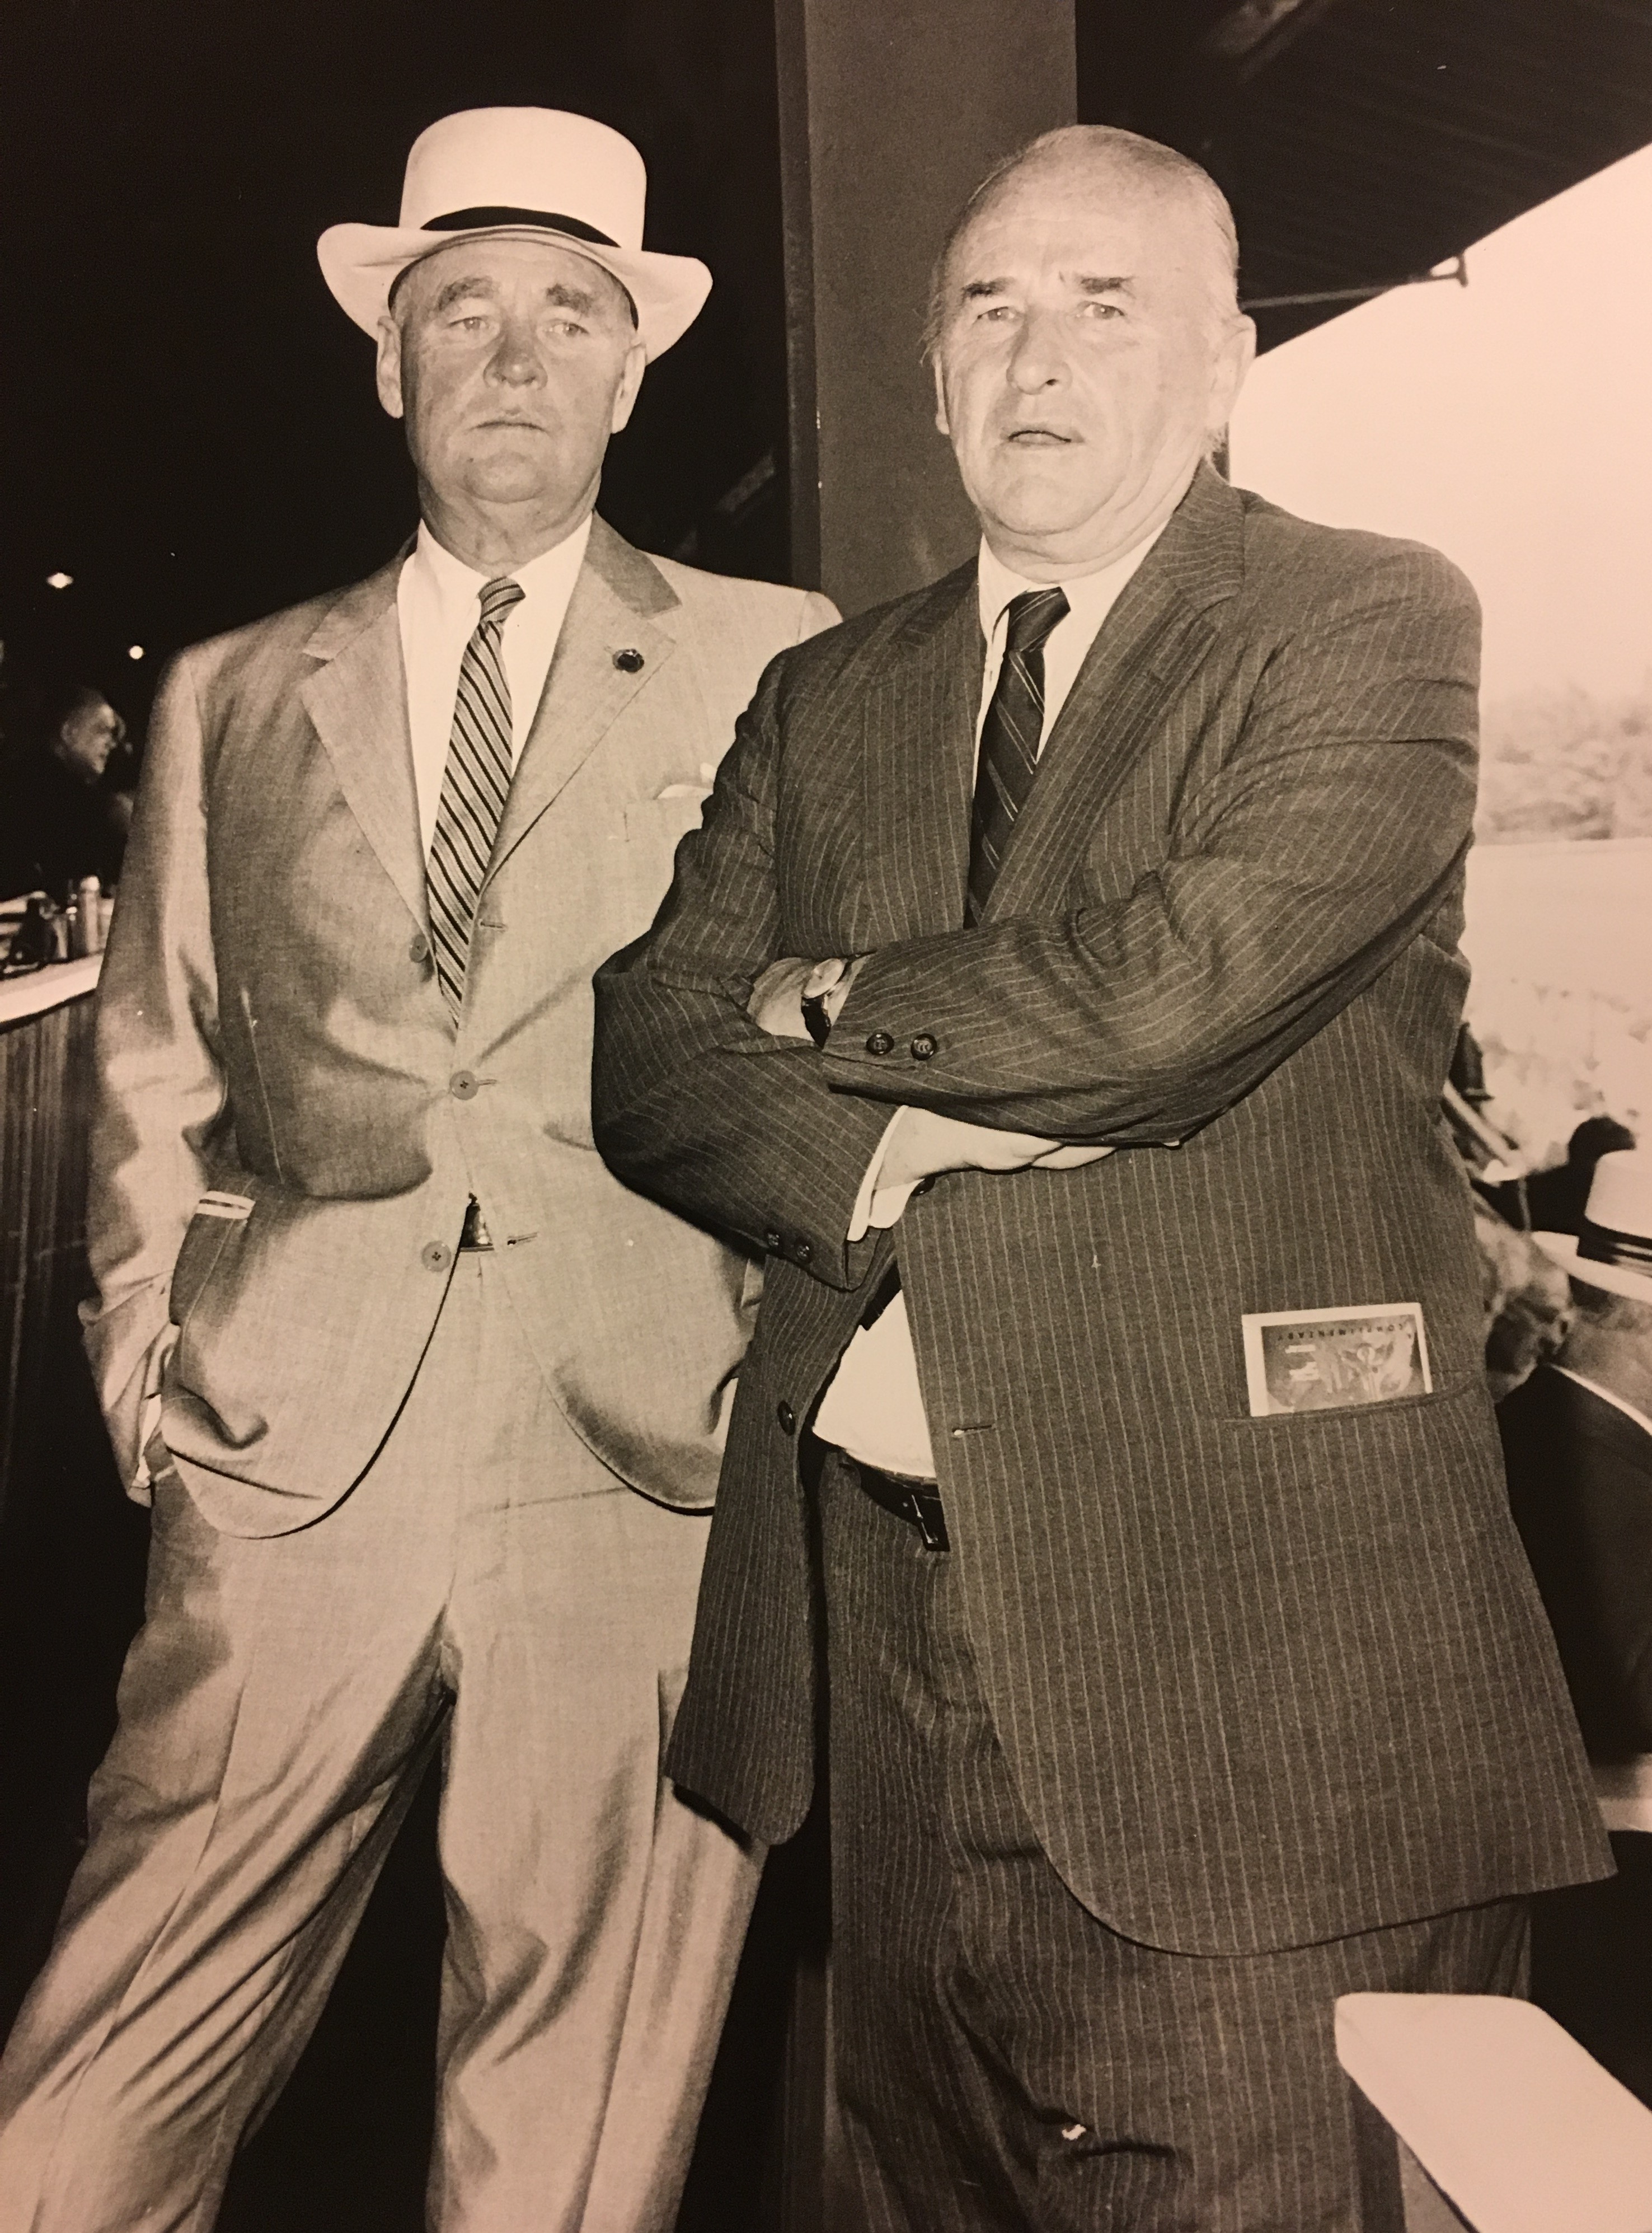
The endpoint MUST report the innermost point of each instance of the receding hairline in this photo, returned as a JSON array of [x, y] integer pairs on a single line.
[[1103, 150]]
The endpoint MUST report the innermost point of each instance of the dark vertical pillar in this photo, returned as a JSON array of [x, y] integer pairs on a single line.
[[890, 112]]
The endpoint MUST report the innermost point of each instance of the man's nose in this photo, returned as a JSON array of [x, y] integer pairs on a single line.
[[515, 362], [1039, 357]]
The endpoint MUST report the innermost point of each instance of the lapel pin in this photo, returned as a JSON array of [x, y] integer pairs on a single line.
[[629, 662]]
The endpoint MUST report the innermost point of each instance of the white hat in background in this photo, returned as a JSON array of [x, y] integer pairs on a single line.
[[539, 173], [1613, 1250]]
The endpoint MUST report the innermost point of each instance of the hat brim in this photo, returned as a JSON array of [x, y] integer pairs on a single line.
[[1617, 1279], [362, 263]]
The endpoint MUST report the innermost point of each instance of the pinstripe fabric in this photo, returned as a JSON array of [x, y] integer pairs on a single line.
[[1259, 1681], [1010, 735], [475, 785], [1006, 2064]]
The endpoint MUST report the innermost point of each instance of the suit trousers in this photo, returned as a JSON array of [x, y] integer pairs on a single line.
[[1005, 2063], [488, 1589]]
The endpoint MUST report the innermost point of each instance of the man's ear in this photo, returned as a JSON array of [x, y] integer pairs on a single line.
[[389, 366], [941, 420], [625, 395], [1233, 361]]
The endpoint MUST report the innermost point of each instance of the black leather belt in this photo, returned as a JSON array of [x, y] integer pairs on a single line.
[[476, 1234], [917, 1502]]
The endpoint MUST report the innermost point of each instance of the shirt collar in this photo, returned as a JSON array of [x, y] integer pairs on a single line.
[[1607, 1395], [1089, 596], [456, 586]]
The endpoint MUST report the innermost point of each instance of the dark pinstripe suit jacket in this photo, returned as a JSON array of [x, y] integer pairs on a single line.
[[1260, 1681]]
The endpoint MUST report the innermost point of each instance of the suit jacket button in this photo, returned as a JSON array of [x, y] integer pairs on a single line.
[[880, 1043], [435, 1255], [629, 662], [773, 1241], [924, 1045], [462, 1085], [802, 1252], [419, 947], [787, 1417]]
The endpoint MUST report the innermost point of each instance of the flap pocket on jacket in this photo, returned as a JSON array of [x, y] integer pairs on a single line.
[[217, 1221], [235, 1208]]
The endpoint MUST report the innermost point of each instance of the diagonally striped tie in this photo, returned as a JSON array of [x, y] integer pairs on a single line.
[[1009, 760], [1010, 738], [474, 785]]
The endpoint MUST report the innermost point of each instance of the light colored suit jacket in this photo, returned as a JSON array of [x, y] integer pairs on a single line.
[[273, 1045], [1260, 1681]]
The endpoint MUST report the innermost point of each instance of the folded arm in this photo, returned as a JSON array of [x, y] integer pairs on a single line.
[[1296, 873]]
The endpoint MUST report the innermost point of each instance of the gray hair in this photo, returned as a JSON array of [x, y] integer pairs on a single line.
[[1147, 160]]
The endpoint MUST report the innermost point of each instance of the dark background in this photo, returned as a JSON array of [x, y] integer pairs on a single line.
[[187, 420]]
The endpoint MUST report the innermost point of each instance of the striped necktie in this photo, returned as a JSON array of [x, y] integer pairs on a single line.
[[474, 786], [1010, 738]]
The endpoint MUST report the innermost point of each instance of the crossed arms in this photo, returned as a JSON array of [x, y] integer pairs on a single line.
[[1297, 867]]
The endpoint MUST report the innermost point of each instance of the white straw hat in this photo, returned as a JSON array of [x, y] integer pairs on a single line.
[[1613, 1250], [536, 171]]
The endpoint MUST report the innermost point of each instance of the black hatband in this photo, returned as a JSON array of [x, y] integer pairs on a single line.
[[472, 221]]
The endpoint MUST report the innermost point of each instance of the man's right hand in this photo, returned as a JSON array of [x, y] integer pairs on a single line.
[[923, 1144]]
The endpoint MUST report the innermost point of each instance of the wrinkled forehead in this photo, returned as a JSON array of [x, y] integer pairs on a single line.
[[1085, 220], [491, 265]]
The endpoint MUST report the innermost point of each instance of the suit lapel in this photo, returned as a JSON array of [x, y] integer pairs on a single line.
[[918, 766], [616, 608], [1146, 653], [357, 700]]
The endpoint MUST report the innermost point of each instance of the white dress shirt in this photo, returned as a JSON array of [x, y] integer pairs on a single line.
[[438, 604], [873, 1408]]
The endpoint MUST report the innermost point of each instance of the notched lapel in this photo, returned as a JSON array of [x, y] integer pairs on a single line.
[[357, 700], [616, 608], [918, 766], [1149, 649]]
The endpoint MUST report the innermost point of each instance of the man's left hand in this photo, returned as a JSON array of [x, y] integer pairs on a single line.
[[776, 1005]]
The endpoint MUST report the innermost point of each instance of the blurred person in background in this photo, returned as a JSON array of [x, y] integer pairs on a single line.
[[1577, 1441], [60, 820], [1527, 1302]]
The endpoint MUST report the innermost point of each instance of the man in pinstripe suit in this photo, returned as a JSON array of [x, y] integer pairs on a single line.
[[1063, 981]]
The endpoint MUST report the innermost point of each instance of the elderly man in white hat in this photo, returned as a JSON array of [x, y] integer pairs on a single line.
[[429, 1406]]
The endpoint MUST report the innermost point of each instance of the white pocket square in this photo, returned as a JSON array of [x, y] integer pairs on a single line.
[[685, 790]]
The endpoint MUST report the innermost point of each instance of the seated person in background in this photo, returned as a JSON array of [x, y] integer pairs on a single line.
[[60, 823], [1527, 1302], [1555, 1198], [1577, 1440]]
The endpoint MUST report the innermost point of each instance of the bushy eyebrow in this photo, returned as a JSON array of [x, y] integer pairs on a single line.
[[1088, 283], [558, 294]]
